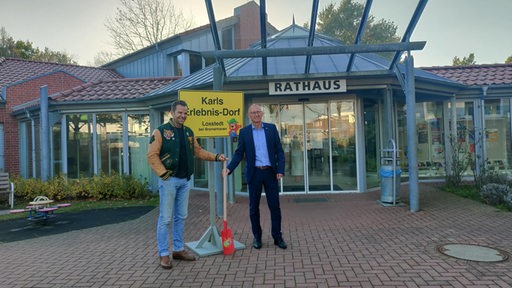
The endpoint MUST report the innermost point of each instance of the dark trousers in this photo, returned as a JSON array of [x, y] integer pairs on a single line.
[[264, 179]]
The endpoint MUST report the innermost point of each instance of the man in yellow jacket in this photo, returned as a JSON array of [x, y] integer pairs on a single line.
[[171, 153]]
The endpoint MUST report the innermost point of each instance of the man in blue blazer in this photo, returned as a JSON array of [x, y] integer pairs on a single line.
[[264, 166]]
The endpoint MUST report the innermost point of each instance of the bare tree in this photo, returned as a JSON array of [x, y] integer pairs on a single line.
[[140, 23], [102, 58]]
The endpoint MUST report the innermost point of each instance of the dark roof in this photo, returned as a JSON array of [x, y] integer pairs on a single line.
[[476, 75], [112, 89], [14, 70], [102, 91]]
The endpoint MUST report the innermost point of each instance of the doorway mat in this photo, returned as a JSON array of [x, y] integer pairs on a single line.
[[310, 200], [472, 252], [294, 188]]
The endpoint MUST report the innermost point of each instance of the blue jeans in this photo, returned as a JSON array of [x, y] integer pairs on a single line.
[[173, 199]]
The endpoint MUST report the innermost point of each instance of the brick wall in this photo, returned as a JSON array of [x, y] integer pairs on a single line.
[[247, 31], [19, 94]]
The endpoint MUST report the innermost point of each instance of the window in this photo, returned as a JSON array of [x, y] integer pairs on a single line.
[[138, 144], [79, 145], [227, 39], [185, 63], [177, 63], [196, 63]]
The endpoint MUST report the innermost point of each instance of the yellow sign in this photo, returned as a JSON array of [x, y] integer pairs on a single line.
[[214, 113]]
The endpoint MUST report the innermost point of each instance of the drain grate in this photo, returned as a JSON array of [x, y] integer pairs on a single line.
[[471, 252], [310, 200]]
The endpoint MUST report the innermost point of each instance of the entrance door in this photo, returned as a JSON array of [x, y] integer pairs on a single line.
[[292, 134], [316, 118], [319, 144]]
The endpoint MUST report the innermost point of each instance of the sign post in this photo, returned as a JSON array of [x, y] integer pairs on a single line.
[[213, 114]]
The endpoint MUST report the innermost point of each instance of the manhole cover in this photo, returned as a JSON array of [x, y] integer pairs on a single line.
[[473, 252]]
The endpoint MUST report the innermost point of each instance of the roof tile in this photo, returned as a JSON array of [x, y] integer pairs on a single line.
[[13, 70], [112, 89], [475, 75]]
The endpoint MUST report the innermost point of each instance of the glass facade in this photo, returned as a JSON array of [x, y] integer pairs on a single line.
[[109, 143], [79, 145], [29, 148], [319, 141], [343, 144], [430, 132], [371, 120], [95, 144], [497, 134], [56, 152], [464, 144], [319, 144], [138, 142]]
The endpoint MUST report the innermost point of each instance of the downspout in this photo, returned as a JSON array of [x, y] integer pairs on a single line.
[[45, 133], [482, 150], [33, 144]]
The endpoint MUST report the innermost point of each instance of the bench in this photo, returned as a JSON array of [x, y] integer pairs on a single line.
[[7, 187]]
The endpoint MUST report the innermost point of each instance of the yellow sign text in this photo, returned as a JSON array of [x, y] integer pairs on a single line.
[[214, 113]]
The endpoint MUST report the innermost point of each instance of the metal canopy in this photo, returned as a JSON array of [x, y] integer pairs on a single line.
[[310, 50], [405, 78], [359, 34], [410, 28], [311, 38]]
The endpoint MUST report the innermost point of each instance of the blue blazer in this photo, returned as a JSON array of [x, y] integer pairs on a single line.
[[246, 148]]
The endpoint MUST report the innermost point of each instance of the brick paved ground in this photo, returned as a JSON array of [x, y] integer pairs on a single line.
[[349, 241]]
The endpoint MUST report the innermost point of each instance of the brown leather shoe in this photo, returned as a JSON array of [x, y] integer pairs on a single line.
[[165, 262], [183, 255]]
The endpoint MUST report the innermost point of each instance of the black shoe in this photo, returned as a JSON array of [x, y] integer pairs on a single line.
[[256, 244], [280, 243]]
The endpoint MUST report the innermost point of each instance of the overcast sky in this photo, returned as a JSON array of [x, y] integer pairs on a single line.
[[450, 27]]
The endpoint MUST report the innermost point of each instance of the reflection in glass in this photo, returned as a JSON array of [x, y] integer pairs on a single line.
[[79, 145], [430, 139], [371, 135], [57, 149], [317, 146], [465, 142], [292, 137], [343, 144], [497, 131], [110, 143], [138, 142]]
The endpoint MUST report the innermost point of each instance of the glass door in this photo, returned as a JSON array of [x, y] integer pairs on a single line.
[[317, 156], [343, 145], [319, 145], [292, 136]]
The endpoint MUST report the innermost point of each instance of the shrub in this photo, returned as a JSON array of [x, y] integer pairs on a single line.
[[495, 194], [508, 201], [99, 187], [465, 191]]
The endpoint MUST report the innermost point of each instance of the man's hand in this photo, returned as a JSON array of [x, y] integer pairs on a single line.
[[225, 172], [220, 157], [279, 176]]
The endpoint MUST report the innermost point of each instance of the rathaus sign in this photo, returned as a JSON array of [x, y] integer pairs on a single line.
[[307, 87]]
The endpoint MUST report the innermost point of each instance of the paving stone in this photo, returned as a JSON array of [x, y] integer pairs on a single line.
[[348, 241]]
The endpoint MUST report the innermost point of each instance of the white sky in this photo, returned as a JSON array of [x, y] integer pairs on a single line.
[[450, 27]]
